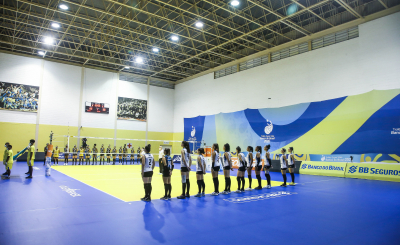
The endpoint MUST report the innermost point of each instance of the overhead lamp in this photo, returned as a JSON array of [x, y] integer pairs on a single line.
[[199, 24], [63, 7], [174, 38], [235, 3], [42, 53], [55, 25], [155, 50], [48, 40], [139, 60]]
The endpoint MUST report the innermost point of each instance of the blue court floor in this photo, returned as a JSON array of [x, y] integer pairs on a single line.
[[319, 210]]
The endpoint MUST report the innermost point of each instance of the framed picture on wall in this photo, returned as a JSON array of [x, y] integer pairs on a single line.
[[132, 109], [19, 97]]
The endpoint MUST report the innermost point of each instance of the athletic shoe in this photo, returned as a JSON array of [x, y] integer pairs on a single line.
[[169, 197], [258, 188], [203, 194], [283, 185], [164, 198], [214, 194], [268, 187], [28, 177], [198, 195], [292, 183], [242, 191], [229, 192], [238, 191], [224, 192], [181, 197], [249, 189], [4, 174], [187, 195]]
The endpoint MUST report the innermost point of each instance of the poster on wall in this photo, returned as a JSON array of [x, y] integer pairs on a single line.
[[19, 97], [132, 109]]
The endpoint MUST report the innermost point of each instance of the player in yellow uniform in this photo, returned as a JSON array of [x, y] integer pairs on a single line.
[[31, 158], [5, 155], [56, 154], [81, 151], [9, 161]]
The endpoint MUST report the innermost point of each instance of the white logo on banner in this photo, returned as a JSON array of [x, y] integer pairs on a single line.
[[193, 133], [71, 192], [269, 127], [323, 158]]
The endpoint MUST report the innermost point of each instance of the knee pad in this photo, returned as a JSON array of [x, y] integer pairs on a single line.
[[183, 179]]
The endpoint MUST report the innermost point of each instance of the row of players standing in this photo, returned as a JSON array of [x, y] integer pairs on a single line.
[[245, 164], [85, 154]]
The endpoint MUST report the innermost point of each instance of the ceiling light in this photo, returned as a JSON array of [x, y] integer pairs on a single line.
[[199, 24], [63, 6], [139, 60], [155, 50], [235, 3], [174, 38], [55, 25], [42, 53], [126, 67], [48, 40]]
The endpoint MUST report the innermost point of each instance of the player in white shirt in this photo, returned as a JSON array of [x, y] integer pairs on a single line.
[[185, 169], [200, 171], [227, 166], [267, 166], [283, 161], [249, 160], [147, 172], [242, 168], [258, 167], [291, 165], [215, 168]]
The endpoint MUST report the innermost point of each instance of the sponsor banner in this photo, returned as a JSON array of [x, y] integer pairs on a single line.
[[176, 159], [376, 171], [323, 168], [335, 158]]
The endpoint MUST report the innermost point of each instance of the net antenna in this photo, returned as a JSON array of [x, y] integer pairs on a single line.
[[51, 137]]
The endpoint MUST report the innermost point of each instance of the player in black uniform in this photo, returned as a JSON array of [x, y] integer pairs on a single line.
[[74, 155], [102, 150], [66, 155], [114, 151], [94, 151], [120, 154], [167, 172], [108, 154], [132, 155], [125, 155]]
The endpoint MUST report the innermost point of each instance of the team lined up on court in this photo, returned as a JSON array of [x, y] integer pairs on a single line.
[[245, 164], [84, 155]]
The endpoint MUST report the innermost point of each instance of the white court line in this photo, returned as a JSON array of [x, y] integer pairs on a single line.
[[90, 185]]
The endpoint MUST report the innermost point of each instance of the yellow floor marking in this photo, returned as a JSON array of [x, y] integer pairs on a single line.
[[125, 182]]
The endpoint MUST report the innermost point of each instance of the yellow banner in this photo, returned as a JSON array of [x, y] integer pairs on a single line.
[[376, 171], [323, 168]]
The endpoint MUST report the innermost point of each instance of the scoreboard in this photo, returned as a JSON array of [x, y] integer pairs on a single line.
[[97, 107]]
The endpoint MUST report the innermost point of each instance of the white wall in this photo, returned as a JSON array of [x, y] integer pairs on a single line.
[[21, 70], [60, 93], [101, 87], [352, 67]]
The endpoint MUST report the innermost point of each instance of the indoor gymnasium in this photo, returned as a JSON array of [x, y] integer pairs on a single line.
[[200, 122]]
